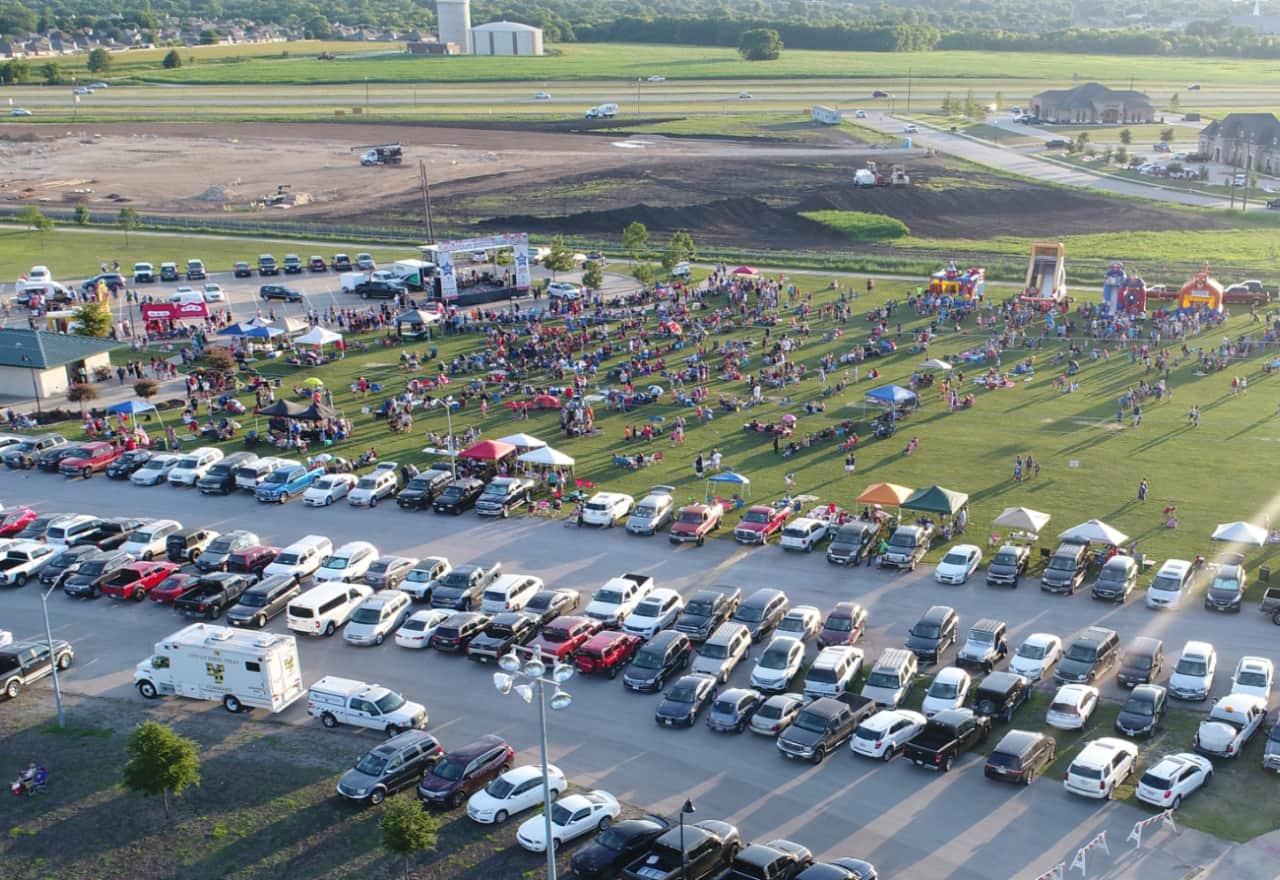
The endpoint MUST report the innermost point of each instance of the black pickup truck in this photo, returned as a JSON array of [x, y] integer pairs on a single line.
[[824, 725], [506, 629], [707, 609], [212, 594], [709, 847], [947, 736]]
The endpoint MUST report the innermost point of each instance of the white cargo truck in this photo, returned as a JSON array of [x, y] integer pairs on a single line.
[[242, 668], [414, 274]]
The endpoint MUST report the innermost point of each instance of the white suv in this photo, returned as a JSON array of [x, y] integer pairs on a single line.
[[194, 465], [606, 508], [563, 290], [1253, 677], [1104, 764], [147, 541], [949, 690], [1192, 677], [1170, 584]]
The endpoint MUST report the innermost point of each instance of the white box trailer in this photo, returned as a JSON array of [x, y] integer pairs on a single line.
[[349, 280], [827, 115], [242, 668], [415, 274]]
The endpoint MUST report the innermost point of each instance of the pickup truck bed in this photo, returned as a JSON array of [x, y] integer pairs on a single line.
[[948, 735], [209, 598], [823, 726]]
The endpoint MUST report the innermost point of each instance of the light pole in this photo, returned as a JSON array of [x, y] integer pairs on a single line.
[[453, 442], [53, 657], [523, 678], [686, 809], [35, 387]]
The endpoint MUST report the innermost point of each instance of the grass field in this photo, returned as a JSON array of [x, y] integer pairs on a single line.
[[126, 65], [859, 225], [604, 61]]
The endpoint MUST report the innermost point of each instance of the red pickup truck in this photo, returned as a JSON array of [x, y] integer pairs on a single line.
[[607, 653], [88, 458], [695, 521], [760, 522], [564, 635], [137, 579]]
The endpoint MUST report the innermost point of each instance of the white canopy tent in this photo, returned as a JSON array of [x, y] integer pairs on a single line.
[[523, 441], [1241, 533], [318, 336], [545, 456], [1095, 531], [1023, 518]]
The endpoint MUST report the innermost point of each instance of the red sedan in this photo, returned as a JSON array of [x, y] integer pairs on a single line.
[[171, 588], [15, 521]]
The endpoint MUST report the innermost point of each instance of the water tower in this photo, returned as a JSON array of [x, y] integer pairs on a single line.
[[453, 18]]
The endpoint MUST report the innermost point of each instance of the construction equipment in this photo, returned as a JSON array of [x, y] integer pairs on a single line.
[[380, 154], [898, 176]]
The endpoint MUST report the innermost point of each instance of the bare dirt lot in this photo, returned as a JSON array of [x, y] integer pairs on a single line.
[[728, 192]]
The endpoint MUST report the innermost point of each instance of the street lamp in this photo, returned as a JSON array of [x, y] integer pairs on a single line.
[[523, 677], [53, 657], [453, 442], [26, 359], [686, 809]]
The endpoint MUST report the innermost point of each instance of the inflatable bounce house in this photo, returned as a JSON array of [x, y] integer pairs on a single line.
[[1046, 287], [1201, 292], [1123, 294], [961, 285]]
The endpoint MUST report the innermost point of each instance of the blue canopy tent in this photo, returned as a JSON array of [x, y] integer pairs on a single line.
[[133, 407], [892, 397], [731, 478], [263, 332]]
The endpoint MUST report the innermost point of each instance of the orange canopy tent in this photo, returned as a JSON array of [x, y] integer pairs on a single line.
[[885, 494], [488, 450]]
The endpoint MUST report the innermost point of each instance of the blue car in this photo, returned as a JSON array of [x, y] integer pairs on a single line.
[[283, 483]]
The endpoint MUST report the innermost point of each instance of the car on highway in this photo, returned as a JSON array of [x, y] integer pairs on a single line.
[[1231, 723], [328, 489], [20, 111], [571, 817], [389, 767], [1072, 707], [417, 630], [910, 129], [686, 698], [1103, 764], [515, 791], [280, 292], [542, 96], [958, 564], [883, 735], [616, 847], [1193, 674]]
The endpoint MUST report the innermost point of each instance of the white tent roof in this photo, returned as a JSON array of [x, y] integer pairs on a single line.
[[318, 336], [523, 441], [1022, 518], [545, 455], [1241, 533], [1095, 531]]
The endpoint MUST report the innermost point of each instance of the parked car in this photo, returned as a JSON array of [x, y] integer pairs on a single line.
[[505, 495], [1192, 676], [986, 645], [416, 632], [1141, 662], [731, 710], [1020, 756], [801, 622], [823, 726], [546, 605], [1116, 580], [24, 662], [1066, 568], [1000, 694], [1102, 765], [500, 634], [1253, 676], [907, 546], [617, 846], [760, 522], [762, 611], [1232, 722], [1226, 590], [562, 637], [843, 625], [685, 699], [376, 617], [280, 292], [386, 572], [778, 664], [883, 735], [652, 512], [1072, 707], [515, 791], [776, 713], [395, 764], [1173, 778], [933, 633], [697, 851], [462, 772], [852, 541], [804, 534], [706, 610], [1036, 657], [328, 489], [945, 737], [1009, 563], [128, 462], [606, 508], [1141, 713], [656, 661], [1089, 656], [656, 611], [958, 564], [263, 601], [420, 492], [1171, 584], [458, 496], [948, 690], [455, 634], [136, 579], [606, 652]]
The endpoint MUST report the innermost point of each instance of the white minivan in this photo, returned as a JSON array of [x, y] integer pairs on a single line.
[[64, 531], [321, 610], [146, 542], [300, 559], [372, 488], [510, 592], [348, 563], [194, 465], [1171, 584]]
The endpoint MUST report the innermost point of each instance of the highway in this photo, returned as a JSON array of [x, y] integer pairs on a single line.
[[910, 822]]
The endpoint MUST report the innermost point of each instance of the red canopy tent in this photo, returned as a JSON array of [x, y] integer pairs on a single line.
[[546, 401], [745, 270], [488, 450]]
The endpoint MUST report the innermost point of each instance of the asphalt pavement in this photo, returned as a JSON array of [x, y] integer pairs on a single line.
[[910, 822]]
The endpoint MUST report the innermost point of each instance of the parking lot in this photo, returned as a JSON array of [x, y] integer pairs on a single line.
[[907, 821]]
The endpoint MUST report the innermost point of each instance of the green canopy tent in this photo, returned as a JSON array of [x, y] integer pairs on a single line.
[[936, 499]]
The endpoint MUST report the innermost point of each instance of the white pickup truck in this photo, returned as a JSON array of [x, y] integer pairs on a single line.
[[23, 561], [618, 597]]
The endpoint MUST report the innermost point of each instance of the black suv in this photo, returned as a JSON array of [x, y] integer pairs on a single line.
[[458, 496], [933, 633], [1019, 756], [422, 490], [263, 601], [617, 846], [1141, 662], [65, 563], [94, 571], [707, 609], [242, 270], [462, 772], [1008, 564], [24, 662], [457, 631], [761, 612], [1066, 569], [398, 763], [657, 659], [1000, 694], [267, 265], [292, 264], [114, 281], [379, 289], [1091, 654], [279, 291], [124, 466]]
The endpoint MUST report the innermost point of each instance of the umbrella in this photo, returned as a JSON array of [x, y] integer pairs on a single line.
[[1022, 518], [788, 419], [523, 441], [312, 382], [1095, 531], [891, 394], [1240, 533], [745, 270], [888, 494], [318, 336], [936, 364], [488, 450], [546, 456], [936, 499]]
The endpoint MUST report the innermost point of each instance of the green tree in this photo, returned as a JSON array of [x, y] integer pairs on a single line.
[[1175, 102], [970, 105], [172, 60], [15, 70], [1135, 161], [82, 393], [99, 60], [644, 273], [559, 258], [51, 73], [161, 761], [949, 105], [679, 249], [998, 100], [407, 829], [81, 214], [635, 238], [1126, 136], [94, 318], [1166, 135], [760, 44], [220, 358], [127, 219], [146, 388], [1082, 140], [16, 19], [318, 28], [1121, 156], [1175, 168], [33, 218], [593, 276], [210, 37]]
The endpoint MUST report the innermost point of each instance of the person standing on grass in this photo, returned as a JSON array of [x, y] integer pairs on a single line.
[[1142, 490], [1017, 469], [790, 480], [850, 464]]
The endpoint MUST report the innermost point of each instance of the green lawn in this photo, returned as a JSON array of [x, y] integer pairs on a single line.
[[601, 61], [127, 65], [859, 225]]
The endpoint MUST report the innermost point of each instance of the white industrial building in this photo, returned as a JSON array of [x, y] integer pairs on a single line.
[[505, 38], [453, 20]]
